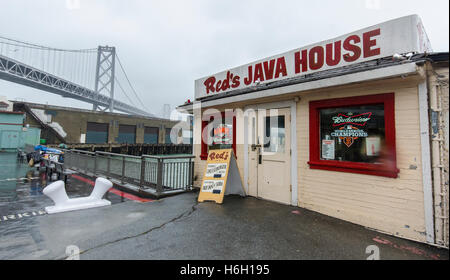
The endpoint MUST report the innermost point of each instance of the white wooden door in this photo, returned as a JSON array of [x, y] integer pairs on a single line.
[[270, 156]]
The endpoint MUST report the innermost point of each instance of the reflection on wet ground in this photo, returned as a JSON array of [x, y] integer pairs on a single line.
[[22, 201], [21, 188]]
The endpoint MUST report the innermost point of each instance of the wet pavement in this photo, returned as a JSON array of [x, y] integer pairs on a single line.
[[22, 199], [21, 187], [180, 228]]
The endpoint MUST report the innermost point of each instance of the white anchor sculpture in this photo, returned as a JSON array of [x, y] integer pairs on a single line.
[[57, 192]]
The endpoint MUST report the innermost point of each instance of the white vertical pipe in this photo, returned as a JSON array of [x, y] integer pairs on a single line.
[[426, 161], [246, 162], [294, 159]]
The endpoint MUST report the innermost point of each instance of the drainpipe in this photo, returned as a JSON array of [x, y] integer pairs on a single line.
[[426, 162], [436, 161]]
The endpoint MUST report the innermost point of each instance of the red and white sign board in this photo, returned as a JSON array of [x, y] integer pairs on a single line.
[[398, 36]]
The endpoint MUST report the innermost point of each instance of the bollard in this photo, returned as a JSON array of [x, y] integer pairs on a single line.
[[63, 203]]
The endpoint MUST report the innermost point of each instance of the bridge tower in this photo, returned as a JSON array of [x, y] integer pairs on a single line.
[[105, 73]]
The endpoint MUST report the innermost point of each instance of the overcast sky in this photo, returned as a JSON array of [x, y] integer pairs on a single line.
[[166, 45]]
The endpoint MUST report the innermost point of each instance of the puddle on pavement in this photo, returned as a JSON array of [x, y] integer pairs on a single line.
[[22, 200], [21, 188]]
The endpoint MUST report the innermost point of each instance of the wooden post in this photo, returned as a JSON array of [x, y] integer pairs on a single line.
[[123, 170], [159, 179]]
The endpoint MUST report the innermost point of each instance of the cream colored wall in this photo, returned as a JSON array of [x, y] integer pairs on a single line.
[[394, 206], [391, 205]]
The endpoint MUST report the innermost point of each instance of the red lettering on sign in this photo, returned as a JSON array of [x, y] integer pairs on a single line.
[[218, 86], [281, 67], [236, 82], [226, 82], [212, 156], [301, 60], [352, 48], [368, 43], [230, 82], [209, 84], [249, 79], [222, 156], [259, 75], [269, 69], [316, 57], [333, 60], [265, 71]]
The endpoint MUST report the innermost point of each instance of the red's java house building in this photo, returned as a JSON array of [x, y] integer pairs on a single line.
[[346, 127]]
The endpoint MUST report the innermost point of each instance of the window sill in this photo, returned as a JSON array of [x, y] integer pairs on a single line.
[[359, 168]]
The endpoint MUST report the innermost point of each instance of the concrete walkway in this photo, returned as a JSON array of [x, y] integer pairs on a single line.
[[179, 228]]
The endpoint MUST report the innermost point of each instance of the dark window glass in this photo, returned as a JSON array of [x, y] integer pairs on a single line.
[[97, 133], [222, 134], [168, 139], [127, 134], [151, 135], [355, 134], [275, 134]]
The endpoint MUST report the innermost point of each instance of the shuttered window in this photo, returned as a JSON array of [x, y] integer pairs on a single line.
[[97, 133], [127, 134], [151, 135]]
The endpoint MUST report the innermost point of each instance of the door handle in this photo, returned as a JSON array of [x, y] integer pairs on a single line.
[[254, 147], [260, 159]]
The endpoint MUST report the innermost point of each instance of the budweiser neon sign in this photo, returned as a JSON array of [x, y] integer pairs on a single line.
[[358, 120]]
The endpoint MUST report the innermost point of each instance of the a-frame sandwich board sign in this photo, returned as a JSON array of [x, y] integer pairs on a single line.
[[221, 177]]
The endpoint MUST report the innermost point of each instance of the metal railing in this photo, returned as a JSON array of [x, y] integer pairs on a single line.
[[132, 149], [163, 174]]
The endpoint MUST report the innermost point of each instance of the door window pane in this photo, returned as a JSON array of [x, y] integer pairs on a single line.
[[274, 134]]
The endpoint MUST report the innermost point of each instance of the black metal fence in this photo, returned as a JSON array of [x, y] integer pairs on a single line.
[[135, 149], [158, 174]]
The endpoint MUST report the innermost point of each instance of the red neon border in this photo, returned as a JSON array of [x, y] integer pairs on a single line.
[[204, 152], [386, 170]]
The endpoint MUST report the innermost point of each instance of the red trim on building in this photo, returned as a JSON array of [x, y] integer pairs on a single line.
[[11, 113], [388, 169], [204, 153], [16, 124]]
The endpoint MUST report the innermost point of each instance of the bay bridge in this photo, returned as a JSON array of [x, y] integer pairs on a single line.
[[88, 75]]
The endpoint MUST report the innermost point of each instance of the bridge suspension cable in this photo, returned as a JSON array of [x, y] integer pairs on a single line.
[[30, 45], [77, 66], [129, 83], [74, 66]]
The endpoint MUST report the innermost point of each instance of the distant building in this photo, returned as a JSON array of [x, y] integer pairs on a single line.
[[5, 105], [13, 134], [78, 126]]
